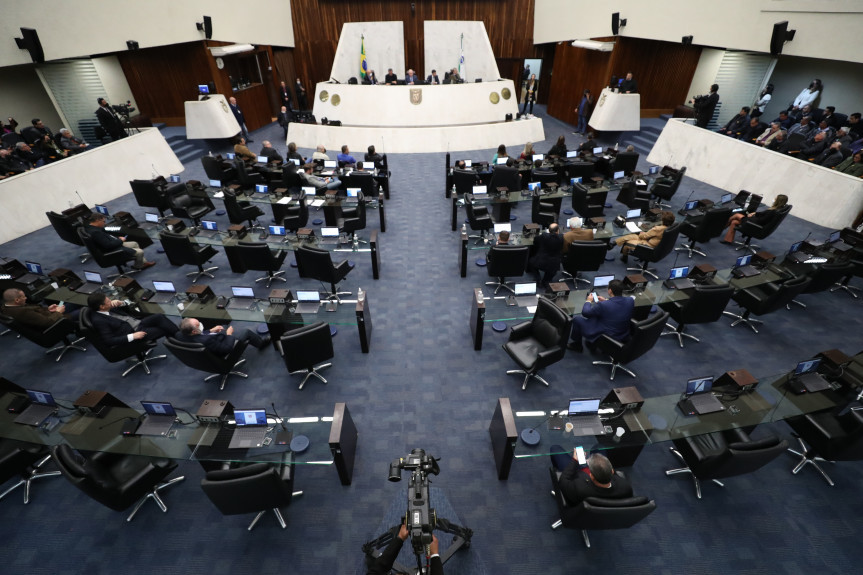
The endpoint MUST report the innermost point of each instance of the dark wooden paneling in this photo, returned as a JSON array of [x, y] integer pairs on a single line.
[[318, 23], [663, 71]]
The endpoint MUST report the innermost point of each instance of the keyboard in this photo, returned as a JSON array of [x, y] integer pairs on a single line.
[[586, 425]]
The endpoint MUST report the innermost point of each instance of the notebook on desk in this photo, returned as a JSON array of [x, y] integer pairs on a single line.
[[242, 298], [742, 268], [806, 379], [584, 416], [92, 282], [690, 209], [698, 398], [678, 278], [329, 235], [42, 407], [308, 301], [209, 229], [165, 292], [159, 419], [251, 428], [524, 294]]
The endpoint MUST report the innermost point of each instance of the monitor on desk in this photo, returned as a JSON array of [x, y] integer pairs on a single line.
[[539, 157], [151, 217], [619, 175], [354, 192], [331, 232], [174, 178], [691, 205], [308, 190], [294, 161], [699, 385], [230, 155], [368, 165], [834, 237], [583, 406], [242, 291], [633, 214], [330, 164], [308, 295], [164, 286], [93, 277], [158, 408], [478, 190], [572, 153], [261, 188], [507, 227], [215, 183], [203, 89], [262, 159], [276, 230], [41, 397], [807, 366], [244, 417], [533, 186], [33, 268], [209, 225], [597, 151], [101, 209]]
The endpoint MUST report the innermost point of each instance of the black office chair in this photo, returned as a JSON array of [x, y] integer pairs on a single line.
[[191, 206], [55, 337], [290, 177], [297, 215], [623, 162], [749, 229], [545, 177], [196, 356], [354, 218], [583, 256], [766, 298], [154, 194], [587, 205], [504, 177], [544, 213], [246, 178], [721, 454], [506, 261], [845, 283], [540, 342], [643, 336], [137, 351], [25, 460], [117, 258], [181, 251], [464, 181], [256, 487], [648, 255], [258, 256], [215, 170], [317, 263], [578, 169], [68, 231], [365, 181], [630, 197], [830, 437], [665, 188], [117, 480], [704, 305], [708, 227], [598, 512], [478, 218], [305, 348], [241, 212], [824, 276]]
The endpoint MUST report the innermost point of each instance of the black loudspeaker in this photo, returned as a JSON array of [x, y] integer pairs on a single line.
[[206, 27], [30, 42], [687, 40], [131, 45], [781, 34], [616, 23]]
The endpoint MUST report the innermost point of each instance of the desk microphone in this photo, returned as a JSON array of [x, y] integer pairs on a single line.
[[109, 424], [79, 196], [281, 421], [683, 209]]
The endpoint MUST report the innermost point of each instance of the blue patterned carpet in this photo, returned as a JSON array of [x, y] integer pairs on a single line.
[[422, 385]]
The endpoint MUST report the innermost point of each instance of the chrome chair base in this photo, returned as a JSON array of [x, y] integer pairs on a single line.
[[270, 277], [849, 289], [527, 377], [203, 272], [311, 372], [499, 284], [614, 367], [741, 319], [691, 249], [276, 511], [143, 362], [64, 347], [154, 495], [687, 470], [26, 481], [646, 271], [225, 377], [574, 279], [680, 334], [805, 460]]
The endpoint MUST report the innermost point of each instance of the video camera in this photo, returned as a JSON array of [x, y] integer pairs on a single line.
[[420, 518], [124, 109]]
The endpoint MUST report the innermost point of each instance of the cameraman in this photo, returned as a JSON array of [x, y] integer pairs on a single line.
[[383, 564], [109, 121]]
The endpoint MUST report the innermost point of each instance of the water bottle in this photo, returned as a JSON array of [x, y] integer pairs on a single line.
[[616, 145], [453, 190], [464, 228]]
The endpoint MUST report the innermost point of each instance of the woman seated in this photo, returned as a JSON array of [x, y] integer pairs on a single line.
[[651, 237], [528, 152], [559, 148], [501, 153], [761, 218]]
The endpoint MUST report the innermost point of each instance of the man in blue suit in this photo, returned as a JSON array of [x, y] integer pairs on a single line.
[[607, 316], [219, 340]]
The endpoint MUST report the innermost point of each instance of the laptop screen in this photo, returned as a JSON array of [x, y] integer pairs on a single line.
[[163, 286], [743, 261], [539, 157], [525, 288], [501, 161], [477, 190], [215, 183], [250, 417], [691, 205], [174, 178], [602, 281], [699, 385], [93, 277], [726, 198], [533, 186], [368, 165], [794, 247], [294, 161], [597, 150], [330, 164], [42, 397], [261, 188], [574, 181], [308, 190], [834, 237], [101, 209], [677, 273], [151, 217], [577, 406], [262, 159], [33, 268], [353, 192], [242, 291], [203, 89], [618, 175], [653, 170], [330, 232], [209, 225], [308, 295], [277, 230], [468, 163], [230, 155], [807, 366], [158, 408], [572, 153], [632, 214], [507, 227]]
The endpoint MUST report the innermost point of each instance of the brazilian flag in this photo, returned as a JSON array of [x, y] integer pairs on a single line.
[[364, 66]]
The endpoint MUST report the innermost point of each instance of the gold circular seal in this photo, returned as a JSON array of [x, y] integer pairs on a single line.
[[335, 100], [494, 97], [324, 96], [506, 94]]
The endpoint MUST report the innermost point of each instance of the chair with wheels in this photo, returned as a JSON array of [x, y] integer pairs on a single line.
[[583, 256], [578, 169], [115, 258], [664, 188], [823, 277], [155, 193], [246, 178], [545, 177], [25, 460], [464, 181], [544, 213], [540, 342], [704, 305], [766, 298], [116, 480], [191, 206], [137, 351], [630, 197], [216, 170], [828, 436], [598, 512], [354, 218], [241, 212], [297, 215], [749, 229], [705, 229], [478, 218], [258, 256], [249, 488], [644, 335], [623, 162], [196, 356], [182, 252], [317, 263], [714, 456], [506, 261], [653, 254], [587, 205], [56, 337], [305, 348], [504, 177], [68, 231]]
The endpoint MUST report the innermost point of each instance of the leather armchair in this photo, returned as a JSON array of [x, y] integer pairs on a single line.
[[155, 194], [55, 336], [506, 261], [544, 213], [648, 255], [246, 178], [24, 460], [644, 335], [259, 257], [240, 212], [181, 251], [825, 276], [587, 205], [723, 454], [598, 512], [464, 181], [215, 170], [304, 349], [765, 299], [296, 217], [317, 263], [630, 197], [623, 162], [68, 231], [578, 169], [704, 305], [477, 217], [665, 188], [708, 227], [504, 177], [583, 256], [196, 356], [191, 205], [540, 342], [139, 348], [117, 480], [831, 437], [545, 177], [749, 229], [354, 219], [117, 257]]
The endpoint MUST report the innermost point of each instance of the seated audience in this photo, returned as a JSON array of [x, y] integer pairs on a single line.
[[768, 135], [804, 126], [270, 152], [33, 315], [116, 329], [34, 133], [218, 340], [576, 233], [831, 156], [753, 131], [320, 153], [316, 182], [71, 143], [293, 154], [777, 142], [812, 148], [501, 153], [11, 164], [242, 151], [546, 259], [600, 480], [49, 149], [346, 156], [373, 156], [784, 120], [527, 153], [761, 218], [736, 124], [855, 126], [608, 316], [853, 165], [558, 150], [107, 242]]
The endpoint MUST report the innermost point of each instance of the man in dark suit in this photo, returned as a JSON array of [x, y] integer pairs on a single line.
[[705, 105], [302, 101], [390, 79], [549, 247], [433, 78], [241, 119], [285, 95], [285, 119], [109, 243], [599, 481], [411, 77], [383, 564], [116, 329], [31, 315], [608, 316], [628, 85], [35, 132], [218, 340], [109, 121], [271, 153], [373, 156]]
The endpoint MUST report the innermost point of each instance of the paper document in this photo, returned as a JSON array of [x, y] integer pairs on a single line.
[[633, 227]]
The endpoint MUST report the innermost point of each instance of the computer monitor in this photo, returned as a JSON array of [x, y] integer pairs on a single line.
[[477, 190], [33, 268], [618, 175], [331, 232], [151, 217], [633, 213], [209, 225], [203, 89], [539, 157], [743, 261], [691, 205], [158, 408], [308, 190], [354, 192], [262, 159], [528, 288], [41, 397], [597, 150], [101, 209], [230, 155], [261, 188], [533, 186], [677, 273], [174, 178], [276, 230], [368, 165], [574, 181], [242, 291], [330, 164], [501, 161], [572, 153], [215, 183], [808, 366], [602, 281], [506, 227], [164, 286], [726, 198], [583, 406], [699, 385]]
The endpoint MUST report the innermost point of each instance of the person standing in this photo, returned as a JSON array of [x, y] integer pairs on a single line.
[[285, 118], [584, 107], [530, 94], [109, 120], [705, 105], [302, 101], [764, 98], [241, 119], [285, 95]]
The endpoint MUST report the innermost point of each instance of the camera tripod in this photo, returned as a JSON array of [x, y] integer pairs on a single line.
[[461, 539]]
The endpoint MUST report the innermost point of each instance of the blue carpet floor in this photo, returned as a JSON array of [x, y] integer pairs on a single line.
[[422, 385]]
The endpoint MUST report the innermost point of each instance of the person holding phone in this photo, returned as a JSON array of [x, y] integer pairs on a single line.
[[601, 315], [600, 480]]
